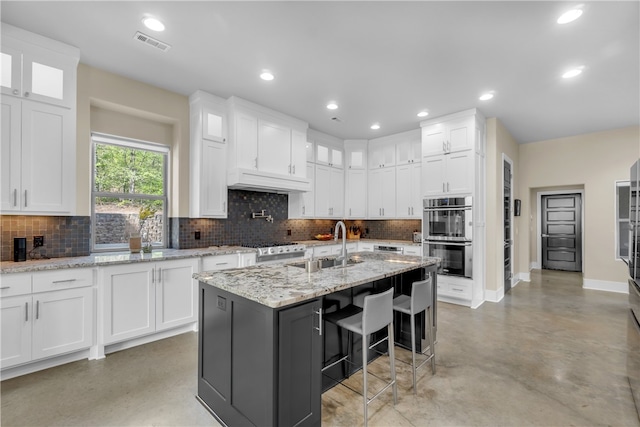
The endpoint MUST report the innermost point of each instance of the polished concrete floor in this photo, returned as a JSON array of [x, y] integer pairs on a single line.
[[549, 354]]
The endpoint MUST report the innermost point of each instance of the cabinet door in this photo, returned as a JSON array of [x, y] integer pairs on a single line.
[[213, 185], [404, 194], [389, 192], [213, 124], [459, 172], [176, 293], [299, 154], [308, 198], [62, 322], [374, 205], [246, 141], [413, 250], [337, 160], [219, 262], [416, 190], [336, 192], [323, 191], [356, 154], [356, 195], [300, 365], [129, 301], [460, 134], [11, 75], [324, 250], [382, 154], [274, 148], [10, 159], [433, 173], [433, 140], [48, 77], [48, 158], [15, 314]]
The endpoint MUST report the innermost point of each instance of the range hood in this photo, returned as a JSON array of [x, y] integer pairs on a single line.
[[246, 179]]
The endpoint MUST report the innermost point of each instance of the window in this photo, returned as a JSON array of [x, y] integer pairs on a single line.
[[622, 219], [128, 192]]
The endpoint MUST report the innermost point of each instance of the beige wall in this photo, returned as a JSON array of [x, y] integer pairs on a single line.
[[592, 162], [113, 104], [499, 142]]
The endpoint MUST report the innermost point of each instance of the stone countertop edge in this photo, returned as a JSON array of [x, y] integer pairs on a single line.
[[280, 285], [367, 240], [106, 259]]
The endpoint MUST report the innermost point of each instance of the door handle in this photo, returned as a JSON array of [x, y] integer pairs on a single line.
[[545, 235], [319, 328]]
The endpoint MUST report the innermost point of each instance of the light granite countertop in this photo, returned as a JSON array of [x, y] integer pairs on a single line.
[[103, 259], [281, 284], [310, 243]]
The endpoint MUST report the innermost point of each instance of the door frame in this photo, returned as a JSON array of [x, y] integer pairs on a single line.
[[538, 263], [506, 158]]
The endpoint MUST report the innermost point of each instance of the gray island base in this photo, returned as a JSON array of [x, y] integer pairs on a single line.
[[262, 341]]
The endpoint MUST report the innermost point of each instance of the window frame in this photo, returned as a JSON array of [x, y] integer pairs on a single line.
[[118, 141], [618, 220]]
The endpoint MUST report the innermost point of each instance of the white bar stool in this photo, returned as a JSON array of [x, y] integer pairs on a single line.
[[420, 300], [377, 313]]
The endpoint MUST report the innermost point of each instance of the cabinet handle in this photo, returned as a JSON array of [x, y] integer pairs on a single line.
[[408, 211], [349, 211], [443, 187], [15, 197], [153, 275], [16, 91], [294, 169], [256, 163], [25, 198], [26, 94], [380, 211], [319, 328], [63, 281], [447, 187], [289, 169], [444, 147], [26, 311], [159, 275], [5, 287], [37, 310], [222, 263], [303, 208], [224, 206]]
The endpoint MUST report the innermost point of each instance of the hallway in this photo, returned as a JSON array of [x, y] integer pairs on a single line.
[[549, 354]]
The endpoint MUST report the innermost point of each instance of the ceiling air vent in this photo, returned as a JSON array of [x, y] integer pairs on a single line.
[[336, 119], [143, 38]]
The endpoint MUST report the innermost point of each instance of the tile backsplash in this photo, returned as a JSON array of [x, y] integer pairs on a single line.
[[70, 236]]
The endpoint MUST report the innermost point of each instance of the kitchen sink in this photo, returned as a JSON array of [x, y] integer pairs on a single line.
[[314, 265]]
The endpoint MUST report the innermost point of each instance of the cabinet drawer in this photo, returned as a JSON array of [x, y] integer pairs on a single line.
[[15, 284], [413, 250], [459, 290], [62, 279], [365, 247], [327, 250], [219, 262]]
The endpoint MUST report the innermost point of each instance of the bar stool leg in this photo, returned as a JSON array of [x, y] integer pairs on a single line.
[[365, 395], [431, 342], [392, 362], [413, 350]]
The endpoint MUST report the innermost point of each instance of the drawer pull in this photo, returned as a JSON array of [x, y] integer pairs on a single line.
[[5, 287], [37, 310], [26, 311], [64, 281], [222, 263]]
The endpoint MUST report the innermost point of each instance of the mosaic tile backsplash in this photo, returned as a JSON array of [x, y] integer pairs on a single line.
[[70, 236]]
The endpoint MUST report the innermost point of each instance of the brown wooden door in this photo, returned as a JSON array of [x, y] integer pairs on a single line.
[[562, 232]]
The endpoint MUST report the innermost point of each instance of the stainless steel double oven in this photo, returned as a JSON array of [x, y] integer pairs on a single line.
[[448, 234]]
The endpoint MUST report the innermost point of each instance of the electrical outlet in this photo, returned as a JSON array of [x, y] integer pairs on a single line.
[[38, 241], [288, 232], [197, 235]]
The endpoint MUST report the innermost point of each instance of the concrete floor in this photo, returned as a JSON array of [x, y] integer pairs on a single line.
[[549, 354]]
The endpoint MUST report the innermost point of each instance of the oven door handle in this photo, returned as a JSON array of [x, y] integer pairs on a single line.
[[446, 242]]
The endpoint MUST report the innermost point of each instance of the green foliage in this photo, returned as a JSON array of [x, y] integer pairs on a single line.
[[127, 170]]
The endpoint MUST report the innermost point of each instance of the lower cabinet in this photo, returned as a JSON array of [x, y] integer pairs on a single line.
[[144, 298], [45, 324]]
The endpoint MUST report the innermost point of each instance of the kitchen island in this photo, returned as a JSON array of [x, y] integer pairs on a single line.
[[262, 340]]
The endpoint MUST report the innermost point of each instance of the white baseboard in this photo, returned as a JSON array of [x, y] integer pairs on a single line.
[[605, 285], [111, 348], [494, 296], [524, 277], [534, 265], [39, 365]]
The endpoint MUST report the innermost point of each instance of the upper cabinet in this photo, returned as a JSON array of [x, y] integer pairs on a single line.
[[329, 150], [409, 147], [38, 146], [382, 153], [208, 172], [356, 153], [267, 150], [450, 136]]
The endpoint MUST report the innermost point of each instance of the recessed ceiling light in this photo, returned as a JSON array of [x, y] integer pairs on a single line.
[[570, 15], [153, 24], [486, 96], [332, 106], [375, 126], [267, 75], [423, 114], [572, 73]]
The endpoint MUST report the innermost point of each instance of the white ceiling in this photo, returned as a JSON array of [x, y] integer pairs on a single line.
[[381, 61]]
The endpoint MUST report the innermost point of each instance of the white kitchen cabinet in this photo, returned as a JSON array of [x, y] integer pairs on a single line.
[[449, 174], [409, 148], [266, 149], [47, 322], [247, 259], [329, 155], [365, 246], [356, 153], [414, 250], [337, 249], [382, 193], [408, 194], [38, 145], [302, 203], [143, 298], [329, 192], [219, 262], [449, 136], [356, 193], [321, 251], [382, 153], [208, 151]]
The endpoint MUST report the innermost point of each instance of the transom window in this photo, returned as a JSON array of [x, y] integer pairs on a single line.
[[129, 192]]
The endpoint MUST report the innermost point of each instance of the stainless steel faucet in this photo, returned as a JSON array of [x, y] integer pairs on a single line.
[[343, 256]]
